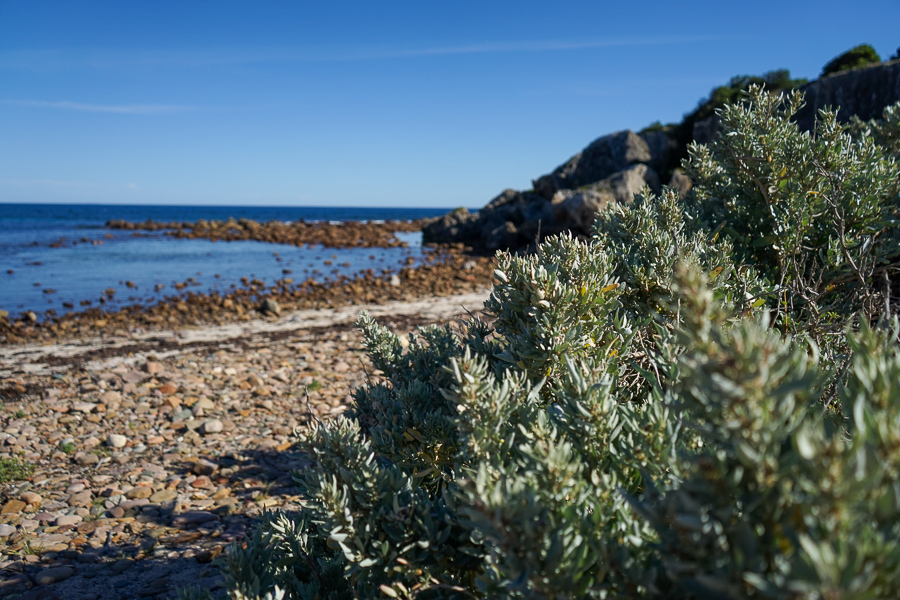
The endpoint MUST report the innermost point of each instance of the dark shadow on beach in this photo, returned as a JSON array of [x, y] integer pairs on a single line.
[[156, 549]]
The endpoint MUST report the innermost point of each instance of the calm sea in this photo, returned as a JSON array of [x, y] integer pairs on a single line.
[[91, 259]]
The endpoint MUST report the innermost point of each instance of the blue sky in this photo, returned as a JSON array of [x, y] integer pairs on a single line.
[[427, 103]]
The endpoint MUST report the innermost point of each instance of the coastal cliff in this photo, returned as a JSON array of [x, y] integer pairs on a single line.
[[861, 92]]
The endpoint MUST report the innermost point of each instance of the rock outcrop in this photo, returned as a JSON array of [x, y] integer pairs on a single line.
[[603, 157], [611, 169], [510, 220], [615, 167]]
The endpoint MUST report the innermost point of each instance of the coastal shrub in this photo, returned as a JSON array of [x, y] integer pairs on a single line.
[[885, 131], [815, 213], [701, 401], [854, 58], [774, 81]]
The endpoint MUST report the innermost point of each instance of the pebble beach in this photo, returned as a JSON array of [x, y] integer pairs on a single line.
[[152, 439]]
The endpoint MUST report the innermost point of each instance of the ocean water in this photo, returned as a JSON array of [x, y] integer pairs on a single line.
[[91, 259]]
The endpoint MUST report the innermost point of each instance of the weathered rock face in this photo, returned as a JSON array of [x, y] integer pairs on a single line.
[[861, 92], [628, 182], [663, 149], [603, 157], [577, 209], [516, 219]]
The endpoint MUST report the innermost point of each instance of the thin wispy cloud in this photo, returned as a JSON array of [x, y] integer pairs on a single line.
[[537, 46], [201, 57], [125, 109]]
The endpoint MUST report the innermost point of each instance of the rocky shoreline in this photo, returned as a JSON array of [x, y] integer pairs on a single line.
[[148, 439], [448, 270], [152, 451]]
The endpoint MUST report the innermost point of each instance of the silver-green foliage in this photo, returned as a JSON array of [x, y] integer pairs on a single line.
[[680, 407], [816, 213]]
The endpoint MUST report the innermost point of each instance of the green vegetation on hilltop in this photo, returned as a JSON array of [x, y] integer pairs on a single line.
[[854, 58], [779, 80], [701, 401]]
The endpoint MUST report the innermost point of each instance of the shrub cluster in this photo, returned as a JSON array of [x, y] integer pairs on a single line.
[[702, 401], [779, 80]]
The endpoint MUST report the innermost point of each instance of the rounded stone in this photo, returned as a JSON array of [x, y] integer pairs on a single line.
[[53, 575], [211, 426], [116, 441], [138, 492], [81, 498], [86, 458], [30, 498], [69, 520], [163, 496]]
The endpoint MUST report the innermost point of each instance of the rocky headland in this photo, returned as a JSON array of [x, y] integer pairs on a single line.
[[614, 167]]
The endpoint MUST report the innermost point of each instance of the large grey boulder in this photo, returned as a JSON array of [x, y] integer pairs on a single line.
[[603, 157], [663, 149], [628, 182], [577, 209]]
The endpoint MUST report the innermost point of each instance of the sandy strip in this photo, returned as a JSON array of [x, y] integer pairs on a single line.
[[35, 358]]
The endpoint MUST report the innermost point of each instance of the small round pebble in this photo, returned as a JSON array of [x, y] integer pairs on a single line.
[[53, 574], [116, 440], [212, 426]]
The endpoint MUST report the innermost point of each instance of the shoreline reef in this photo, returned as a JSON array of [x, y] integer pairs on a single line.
[[343, 234], [449, 269]]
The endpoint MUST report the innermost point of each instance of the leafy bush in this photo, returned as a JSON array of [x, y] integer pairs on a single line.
[[885, 132], [702, 401], [854, 58], [816, 214], [774, 81]]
